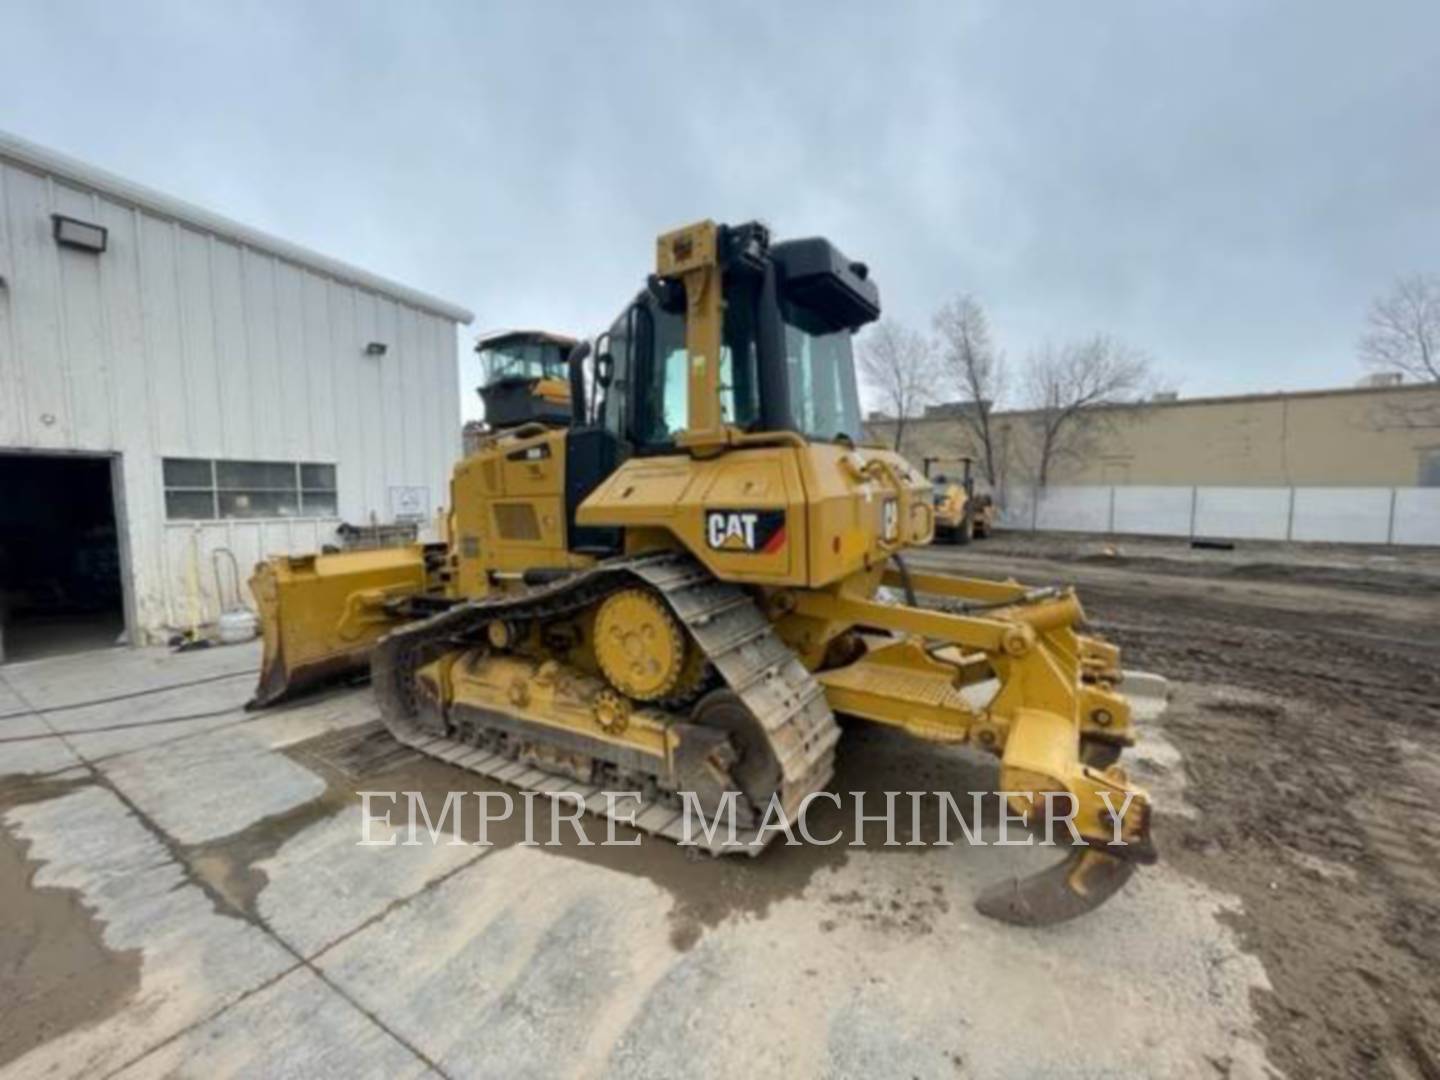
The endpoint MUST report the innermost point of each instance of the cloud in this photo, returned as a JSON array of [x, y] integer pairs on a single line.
[[1225, 185]]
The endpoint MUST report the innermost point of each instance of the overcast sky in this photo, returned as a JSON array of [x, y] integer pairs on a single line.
[[1224, 184]]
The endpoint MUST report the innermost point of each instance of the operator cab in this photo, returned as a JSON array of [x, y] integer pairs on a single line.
[[786, 356], [786, 360], [525, 378]]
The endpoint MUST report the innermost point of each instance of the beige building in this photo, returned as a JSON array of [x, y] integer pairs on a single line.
[[1363, 436]]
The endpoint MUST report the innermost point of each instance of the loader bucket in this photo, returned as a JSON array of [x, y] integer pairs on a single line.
[[320, 615]]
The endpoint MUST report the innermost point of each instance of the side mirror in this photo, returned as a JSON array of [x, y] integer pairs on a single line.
[[604, 362]]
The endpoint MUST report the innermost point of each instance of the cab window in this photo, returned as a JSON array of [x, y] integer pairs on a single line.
[[614, 406], [649, 348], [739, 378], [662, 407]]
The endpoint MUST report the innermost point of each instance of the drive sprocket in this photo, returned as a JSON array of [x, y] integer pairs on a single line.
[[640, 645]]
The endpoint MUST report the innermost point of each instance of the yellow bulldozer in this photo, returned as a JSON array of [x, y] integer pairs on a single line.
[[680, 591], [962, 514]]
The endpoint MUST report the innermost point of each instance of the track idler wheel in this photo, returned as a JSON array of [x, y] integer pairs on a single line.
[[1076, 885], [755, 771]]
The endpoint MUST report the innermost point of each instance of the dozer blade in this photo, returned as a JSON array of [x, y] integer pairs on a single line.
[[321, 615], [1078, 884]]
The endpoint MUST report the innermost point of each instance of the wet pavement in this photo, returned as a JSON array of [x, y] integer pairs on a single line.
[[184, 892]]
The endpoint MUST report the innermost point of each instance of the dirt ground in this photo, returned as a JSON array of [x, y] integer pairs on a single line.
[[1307, 710]]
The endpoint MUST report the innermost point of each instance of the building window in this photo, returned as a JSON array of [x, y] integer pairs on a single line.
[[198, 489]]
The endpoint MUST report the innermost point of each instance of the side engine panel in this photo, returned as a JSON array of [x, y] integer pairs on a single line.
[[742, 513], [509, 499], [775, 515]]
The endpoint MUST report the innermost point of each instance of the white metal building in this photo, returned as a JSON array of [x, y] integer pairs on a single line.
[[172, 383]]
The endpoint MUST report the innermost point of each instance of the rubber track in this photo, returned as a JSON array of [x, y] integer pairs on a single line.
[[787, 701]]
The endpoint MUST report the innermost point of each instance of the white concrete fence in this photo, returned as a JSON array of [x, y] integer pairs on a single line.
[[1351, 515]]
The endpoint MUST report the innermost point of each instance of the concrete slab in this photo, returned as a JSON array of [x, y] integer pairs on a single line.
[[337, 710], [22, 726], [535, 949], [10, 702], [227, 695], [566, 965], [175, 715], [105, 730], [123, 739], [36, 755], [297, 1027], [193, 960], [212, 785], [321, 885], [67, 680]]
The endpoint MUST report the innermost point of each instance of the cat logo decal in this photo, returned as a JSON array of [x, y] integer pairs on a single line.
[[761, 531]]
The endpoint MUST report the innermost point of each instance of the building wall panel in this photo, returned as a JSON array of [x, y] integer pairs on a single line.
[[1153, 510], [292, 380], [124, 317], [350, 439], [1342, 514], [236, 382], [416, 382], [390, 419], [12, 431], [85, 333], [195, 283], [367, 418], [1079, 508], [167, 388], [445, 402], [186, 342], [262, 363], [44, 414], [317, 362], [1242, 513], [1349, 515], [1417, 516]]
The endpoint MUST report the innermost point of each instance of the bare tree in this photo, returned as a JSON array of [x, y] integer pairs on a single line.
[[976, 371], [1062, 387], [898, 364], [1404, 329]]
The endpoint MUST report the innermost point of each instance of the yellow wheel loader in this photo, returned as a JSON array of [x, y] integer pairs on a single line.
[[961, 513], [678, 593]]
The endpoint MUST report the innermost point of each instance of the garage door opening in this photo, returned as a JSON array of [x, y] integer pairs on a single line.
[[60, 575]]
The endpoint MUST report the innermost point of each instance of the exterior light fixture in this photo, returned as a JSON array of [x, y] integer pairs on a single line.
[[376, 348], [81, 235]]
